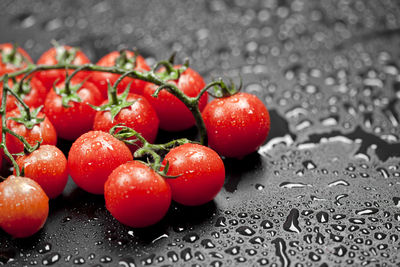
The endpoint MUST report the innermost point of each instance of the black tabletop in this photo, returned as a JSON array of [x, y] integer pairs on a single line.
[[324, 190]]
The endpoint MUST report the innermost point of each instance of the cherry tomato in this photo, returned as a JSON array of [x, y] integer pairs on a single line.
[[173, 114], [136, 195], [93, 156], [60, 54], [12, 60], [43, 131], [24, 206], [34, 93], [110, 60], [48, 167], [71, 122], [236, 125], [140, 116], [200, 171]]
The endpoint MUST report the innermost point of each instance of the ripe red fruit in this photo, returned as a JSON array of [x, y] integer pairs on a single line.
[[140, 116], [110, 60], [48, 167], [33, 97], [173, 114], [93, 156], [136, 195], [60, 54], [12, 59], [76, 119], [236, 125], [24, 206], [44, 131], [200, 174]]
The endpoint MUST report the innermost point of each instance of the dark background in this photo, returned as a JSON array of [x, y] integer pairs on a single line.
[[325, 188]]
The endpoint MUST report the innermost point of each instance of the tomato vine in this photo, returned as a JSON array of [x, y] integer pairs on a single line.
[[161, 80]]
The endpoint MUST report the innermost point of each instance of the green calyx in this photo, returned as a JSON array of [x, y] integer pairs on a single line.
[[146, 150], [69, 93], [28, 119], [22, 88], [124, 62], [63, 55], [115, 102], [170, 73], [221, 89], [12, 57]]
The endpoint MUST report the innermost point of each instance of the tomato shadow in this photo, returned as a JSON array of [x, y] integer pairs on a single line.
[[64, 146], [21, 243], [180, 218], [238, 169], [165, 136]]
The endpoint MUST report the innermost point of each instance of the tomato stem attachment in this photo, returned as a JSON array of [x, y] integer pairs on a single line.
[[160, 79], [125, 134], [3, 109]]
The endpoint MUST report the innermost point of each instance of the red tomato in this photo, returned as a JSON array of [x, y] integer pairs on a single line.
[[140, 116], [48, 167], [136, 195], [236, 125], [15, 62], [54, 56], [33, 97], [100, 78], [92, 158], [77, 119], [200, 171], [43, 131], [24, 206], [173, 114]]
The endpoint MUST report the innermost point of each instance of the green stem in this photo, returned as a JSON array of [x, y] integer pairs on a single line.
[[114, 90], [147, 148], [69, 78], [190, 102], [3, 110], [24, 105]]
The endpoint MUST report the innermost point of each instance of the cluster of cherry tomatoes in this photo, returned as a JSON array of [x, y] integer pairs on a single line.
[[83, 106]]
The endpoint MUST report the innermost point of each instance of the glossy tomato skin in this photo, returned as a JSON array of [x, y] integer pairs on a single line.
[[48, 167], [136, 195], [236, 125], [100, 78], [140, 116], [33, 99], [49, 57], [24, 206], [93, 156], [43, 131], [77, 119], [173, 114], [6, 67], [200, 171]]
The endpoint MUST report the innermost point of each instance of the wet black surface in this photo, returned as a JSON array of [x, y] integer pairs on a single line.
[[325, 188]]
